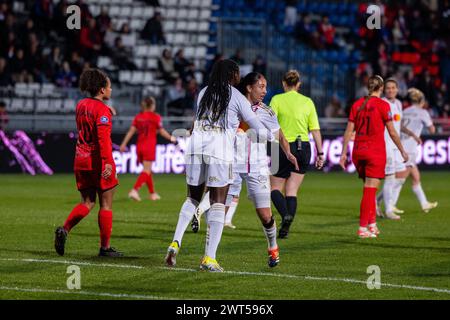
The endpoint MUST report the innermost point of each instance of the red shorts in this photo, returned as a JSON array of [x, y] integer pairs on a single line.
[[146, 154], [93, 180], [369, 165]]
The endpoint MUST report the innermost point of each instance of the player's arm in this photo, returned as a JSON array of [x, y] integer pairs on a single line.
[[284, 144], [318, 141], [104, 127], [248, 116], [431, 129], [166, 135], [396, 139], [347, 136], [127, 138], [405, 130]]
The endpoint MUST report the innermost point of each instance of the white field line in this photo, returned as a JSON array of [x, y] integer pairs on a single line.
[[84, 293], [244, 273]]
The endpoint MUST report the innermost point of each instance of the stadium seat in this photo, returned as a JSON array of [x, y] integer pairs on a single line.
[[125, 11], [152, 63], [125, 76], [137, 78], [148, 78]]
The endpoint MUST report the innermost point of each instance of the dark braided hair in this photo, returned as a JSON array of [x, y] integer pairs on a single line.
[[249, 80], [92, 81], [214, 102]]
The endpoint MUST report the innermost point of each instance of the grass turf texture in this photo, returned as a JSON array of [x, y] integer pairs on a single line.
[[414, 251]]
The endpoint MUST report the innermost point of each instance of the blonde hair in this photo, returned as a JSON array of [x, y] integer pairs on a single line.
[[416, 96], [291, 78], [149, 102], [375, 83]]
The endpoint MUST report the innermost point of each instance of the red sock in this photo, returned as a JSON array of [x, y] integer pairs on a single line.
[[367, 202], [372, 206], [141, 180], [149, 182], [77, 214], [105, 225]]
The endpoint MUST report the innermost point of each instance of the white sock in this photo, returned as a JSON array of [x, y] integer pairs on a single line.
[[372, 225], [396, 189], [418, 191], [186, 213], [387, 193], [231, 210], [204, 204], [216, 219], [271, 236]]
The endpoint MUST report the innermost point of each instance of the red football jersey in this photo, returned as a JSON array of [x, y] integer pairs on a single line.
[[370, 123], [94, 125], [147, 125]]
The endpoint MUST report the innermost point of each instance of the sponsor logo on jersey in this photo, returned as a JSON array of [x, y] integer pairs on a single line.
[[397, 117], [104, 119]]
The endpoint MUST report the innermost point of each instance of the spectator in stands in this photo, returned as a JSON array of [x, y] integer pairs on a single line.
[[76, 63], [43, 14], [166, 66], [53, 62], [34, 59], [121, 56], [181, 63], [189, 72], [5, 75], [316, 41], [327, 31], [153, 3], [65, 77], [290, 18], [153, 30], [103, 21], [19, 68], [334, 108], [192, 91], [426, 85], [259, 65], [237, 57], [90, 40], [7, 34], [175, 98], [209, 66], [304, 29], [85, 12], [60, 18], [3, 116], [4, 9]]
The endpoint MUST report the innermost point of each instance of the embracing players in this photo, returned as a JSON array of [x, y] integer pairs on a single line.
[[147, 124], [210, 154], [95, 170], [369, 117]]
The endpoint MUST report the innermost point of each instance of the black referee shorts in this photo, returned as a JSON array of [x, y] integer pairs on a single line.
[[303, 158]]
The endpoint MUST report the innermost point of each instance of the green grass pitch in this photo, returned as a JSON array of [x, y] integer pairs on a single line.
[[322, 259]]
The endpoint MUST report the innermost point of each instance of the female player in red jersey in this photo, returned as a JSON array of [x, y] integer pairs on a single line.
[[94, 167], [369, 117], [147, 124]]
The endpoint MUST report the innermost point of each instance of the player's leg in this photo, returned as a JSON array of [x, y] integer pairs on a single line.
[[293, 184], [105, 220], [142, 178], [230, 211], [195, 177], [80, 211], [215, 222], [203, 208], [418, 191], [232, 200], [258, 187], [367, 213], [150, 185], [400, 178], [386, 192]]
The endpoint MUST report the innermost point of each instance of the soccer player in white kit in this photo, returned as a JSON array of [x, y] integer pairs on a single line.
[[394, 160], [251, 162], [210, 154], [414, 119]]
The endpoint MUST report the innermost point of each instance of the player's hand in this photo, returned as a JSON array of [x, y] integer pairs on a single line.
[[343, 161], [418, 140], [107, 172], [293, 160], [173, 140], [405, 156], [122, 148], [320, 161]]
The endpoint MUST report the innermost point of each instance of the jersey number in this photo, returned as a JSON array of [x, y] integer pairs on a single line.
[[364, 126]]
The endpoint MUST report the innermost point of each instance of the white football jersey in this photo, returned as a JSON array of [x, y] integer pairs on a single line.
[[414, 119], [397, 115], [217, 139], [252, 156]]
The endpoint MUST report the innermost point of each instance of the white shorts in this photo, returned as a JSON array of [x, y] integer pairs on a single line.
[[213, 172], [411, 150], [394, 161], [258, 188]]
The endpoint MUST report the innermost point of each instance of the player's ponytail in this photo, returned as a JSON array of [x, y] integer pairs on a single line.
[[292, 78], [92, 81]]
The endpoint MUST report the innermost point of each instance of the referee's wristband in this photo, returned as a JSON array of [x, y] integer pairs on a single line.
[[320, 153]]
